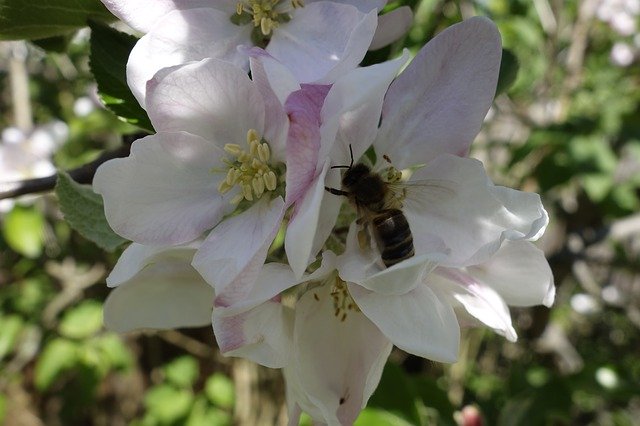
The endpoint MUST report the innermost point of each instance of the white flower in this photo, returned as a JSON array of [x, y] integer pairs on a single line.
[[293, 31]]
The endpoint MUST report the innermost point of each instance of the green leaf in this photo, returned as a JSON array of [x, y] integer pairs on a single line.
[[109, 55], [202, 414], [58, 356], [182, 371], [23, 229], [167, 405], [378, 417], [34, 19], [220, 391], [82, 321], [396, 395], [84, 211], [113, 348], [509, 67], [10, 328]]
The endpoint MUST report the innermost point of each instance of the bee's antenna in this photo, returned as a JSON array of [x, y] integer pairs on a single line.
[[350, 164]]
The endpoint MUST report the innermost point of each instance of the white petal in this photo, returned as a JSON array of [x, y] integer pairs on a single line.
[[438, 103], [262, 334], [470, 214], [136, 257], [314, 54], [364, 6], [235, 250], [363, 267], [164, 193], [392, 26], [478, 300], [336, 365], [211, 98], [142, 15], [519, 272], [164, 295], [313, 219], [181, 36], [351, 110], [418, 322]]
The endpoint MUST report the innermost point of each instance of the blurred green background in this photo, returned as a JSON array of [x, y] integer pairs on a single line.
[[566, 124]]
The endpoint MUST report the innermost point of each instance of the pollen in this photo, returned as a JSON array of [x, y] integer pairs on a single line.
[[343, 303], [249, 169], [267, 14]]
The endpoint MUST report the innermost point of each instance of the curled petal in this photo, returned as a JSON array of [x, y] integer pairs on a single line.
[[392, 26], [519, 272]]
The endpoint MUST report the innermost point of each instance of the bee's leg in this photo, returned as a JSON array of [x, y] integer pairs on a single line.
[[364, 238], [386, 158], [335, 191]]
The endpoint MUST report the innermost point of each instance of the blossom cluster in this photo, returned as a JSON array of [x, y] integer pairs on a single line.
[[261, 109]]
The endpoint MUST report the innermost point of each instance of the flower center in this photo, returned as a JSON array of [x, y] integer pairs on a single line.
[[250, 169], [266, 15], [342, 300]]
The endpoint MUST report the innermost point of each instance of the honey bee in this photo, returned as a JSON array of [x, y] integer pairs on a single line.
[[378, 201]]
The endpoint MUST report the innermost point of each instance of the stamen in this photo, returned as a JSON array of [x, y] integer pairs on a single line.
[[249, 170], [342, 300], [266, 14]]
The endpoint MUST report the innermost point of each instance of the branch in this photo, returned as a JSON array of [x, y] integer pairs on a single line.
[[82, 174]]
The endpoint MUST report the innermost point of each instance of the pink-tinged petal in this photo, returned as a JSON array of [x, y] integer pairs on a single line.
[[182, 36], [480, 301], [363, 267], [468, 212], [275, 83], [419, 322], [351, 110], [262, 334], [438, 103], [164, 295], [303, 142], [211, 98], [336, 364], [241, 296], [232, 256], [164, 193], [519, 272], [392, 26], [314, 216], [136, 257], [314, 54]]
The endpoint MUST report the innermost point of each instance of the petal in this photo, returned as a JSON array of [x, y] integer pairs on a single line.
[[308, 229], [363, 267], [392, 26], [211, 98], [164, 193], [314, 54], [336, 365], [262, 334], [136, 257], [438, 103], [364, 6], [181, 36], [480, 301], [469, 213], [351, 110], [519, 272], [303, 142], [232, 256], [142, 15], [419, 322], [164, 295]]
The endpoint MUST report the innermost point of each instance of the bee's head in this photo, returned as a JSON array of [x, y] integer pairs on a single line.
[[354, 174]]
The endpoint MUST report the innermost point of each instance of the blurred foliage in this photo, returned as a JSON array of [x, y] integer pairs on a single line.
[[565, 123]]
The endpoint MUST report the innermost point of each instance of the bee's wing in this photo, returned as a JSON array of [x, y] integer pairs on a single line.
[[420, 194]]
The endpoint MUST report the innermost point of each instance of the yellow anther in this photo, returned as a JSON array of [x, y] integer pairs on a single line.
[[246, 192], [239, 8], [223, 187], [264, 152], [231, 177], [233, 149], [236, 200], [297, 3], [252, 135], [258, 186], [270, 180]]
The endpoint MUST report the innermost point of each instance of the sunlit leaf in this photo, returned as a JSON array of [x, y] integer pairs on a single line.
[[23, 229], [182, 371], [58, 356], [82, 321], [220, 391]]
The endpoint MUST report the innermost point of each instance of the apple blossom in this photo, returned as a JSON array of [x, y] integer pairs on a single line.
[[430, 115], [293, 31]]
